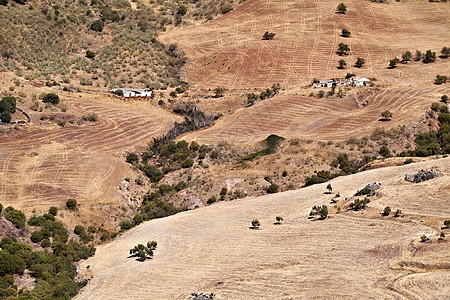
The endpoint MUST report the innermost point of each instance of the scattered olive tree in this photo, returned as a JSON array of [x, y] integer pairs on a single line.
[[142, 252]]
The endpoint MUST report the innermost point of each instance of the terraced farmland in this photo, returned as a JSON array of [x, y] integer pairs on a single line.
[[349, 255], [324, 118], [77, 162], [229, 52]]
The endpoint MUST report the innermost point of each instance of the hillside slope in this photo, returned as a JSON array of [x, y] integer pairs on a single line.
[[229, 52], [43, 168], [323, 119], [349, 255]]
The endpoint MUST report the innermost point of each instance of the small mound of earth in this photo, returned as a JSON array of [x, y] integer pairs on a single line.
[[421, 176], [201, 296]]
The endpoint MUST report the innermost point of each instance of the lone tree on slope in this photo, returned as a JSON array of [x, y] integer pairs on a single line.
[[341, 8]]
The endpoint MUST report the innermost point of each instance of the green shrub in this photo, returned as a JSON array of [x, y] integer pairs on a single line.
[[5, 116], [359, 204], [53, 210], [319, 210], [152, 172], [429, 57], [255, 224], [50, 98], [78, 230], [384, 151], [16, 217], [341, 8], [440, 79], [125, 225], [90, 54], [273, 188], [132, 158], [345, 33], [97, 25], [45, 243], [211, 200], [142, 252], [71, 204], [387, 211]]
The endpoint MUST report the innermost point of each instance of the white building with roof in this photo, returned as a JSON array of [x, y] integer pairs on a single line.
[[130, 92]]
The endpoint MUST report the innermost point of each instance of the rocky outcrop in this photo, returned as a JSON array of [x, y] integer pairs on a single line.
[[421, 176], [201, 296]]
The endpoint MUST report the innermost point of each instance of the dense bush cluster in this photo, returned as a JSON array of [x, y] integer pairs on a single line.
[[431, 142], [7, 107], [52, 268]]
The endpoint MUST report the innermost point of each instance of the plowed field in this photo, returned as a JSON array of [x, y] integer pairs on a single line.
[[324, 118], [80, 162], [349, 255], [229, 52]]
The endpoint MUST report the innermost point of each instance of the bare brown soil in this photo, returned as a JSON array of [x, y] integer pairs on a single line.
[[349, 255], [41, 168], [229, 52], [324, 119]]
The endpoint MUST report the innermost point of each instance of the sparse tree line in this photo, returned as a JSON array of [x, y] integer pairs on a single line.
[[252, 98], [427, 57], [344, 49]]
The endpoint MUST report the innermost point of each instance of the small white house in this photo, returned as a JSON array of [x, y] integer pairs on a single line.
[[129, 92], [362, 82]]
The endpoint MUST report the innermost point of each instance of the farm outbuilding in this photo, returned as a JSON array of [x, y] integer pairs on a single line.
[[130, 92]]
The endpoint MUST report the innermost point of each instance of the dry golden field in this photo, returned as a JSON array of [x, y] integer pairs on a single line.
[[229, 52], [81, 162], [321, 119], [351, 255]]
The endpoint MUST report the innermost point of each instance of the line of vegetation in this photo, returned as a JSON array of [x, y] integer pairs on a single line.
[[252, 98]]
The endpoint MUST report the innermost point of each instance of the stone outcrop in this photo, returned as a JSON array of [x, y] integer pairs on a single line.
[[421, 176]]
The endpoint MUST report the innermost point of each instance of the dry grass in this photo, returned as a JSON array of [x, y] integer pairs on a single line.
[[82, 162], [349, 255], [321, 119], [229, 52]]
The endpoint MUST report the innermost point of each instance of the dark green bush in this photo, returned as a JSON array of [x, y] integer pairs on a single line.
[[50, 98], [273, 188], [16, 217], [384, 151], [71, 204], [78, 230], [211, 200], [90, 54], [132, 158], [53, 210], [125, 225], [97, 25]]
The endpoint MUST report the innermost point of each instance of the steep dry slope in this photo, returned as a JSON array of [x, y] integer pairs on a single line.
[[323, 119], [346, 256], [229, 52], [77, 162]]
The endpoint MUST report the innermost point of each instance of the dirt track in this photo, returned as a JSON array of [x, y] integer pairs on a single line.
[[345, 256], [77, 162], [229, 52], [322, 119]]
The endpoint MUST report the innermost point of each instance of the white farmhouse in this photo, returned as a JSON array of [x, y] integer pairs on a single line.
[[129, 92], [362, 82]]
